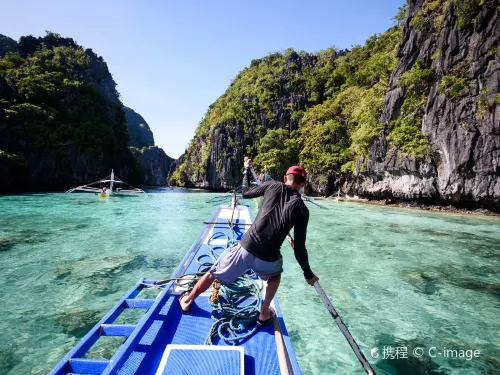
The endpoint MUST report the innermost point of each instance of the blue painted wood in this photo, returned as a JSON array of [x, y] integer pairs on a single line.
[[193, 247], [288, 344], [73, 362], [87, 366], [139, 303], [90, 338], [117, 329], [125, 350]]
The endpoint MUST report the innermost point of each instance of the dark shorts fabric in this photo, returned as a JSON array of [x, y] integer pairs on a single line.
[[236, 261]]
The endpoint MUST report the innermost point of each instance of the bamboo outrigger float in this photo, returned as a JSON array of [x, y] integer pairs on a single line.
[[110, 185]]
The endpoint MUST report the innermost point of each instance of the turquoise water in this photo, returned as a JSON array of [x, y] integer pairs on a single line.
[[397, 277]]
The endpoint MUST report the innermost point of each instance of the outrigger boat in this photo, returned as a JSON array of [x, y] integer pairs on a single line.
[[165, 341], [110, 185]]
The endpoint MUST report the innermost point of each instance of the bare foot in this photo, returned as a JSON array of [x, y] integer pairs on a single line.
[[263, 316], [184, 302]]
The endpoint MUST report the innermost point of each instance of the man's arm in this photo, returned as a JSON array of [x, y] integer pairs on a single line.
[[251, 192], [300, 230], [246, 190]]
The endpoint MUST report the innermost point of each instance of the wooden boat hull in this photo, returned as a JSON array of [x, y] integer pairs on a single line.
[[267, 352]]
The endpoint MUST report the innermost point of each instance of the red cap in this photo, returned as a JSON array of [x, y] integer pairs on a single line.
[[296, 169]]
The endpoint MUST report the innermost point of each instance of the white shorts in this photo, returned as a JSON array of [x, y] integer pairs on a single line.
[[236, 261]]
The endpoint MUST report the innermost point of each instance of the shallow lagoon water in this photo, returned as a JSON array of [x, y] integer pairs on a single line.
[[399, 278]]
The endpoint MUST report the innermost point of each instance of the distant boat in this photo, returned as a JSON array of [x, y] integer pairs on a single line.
[[110, 185]]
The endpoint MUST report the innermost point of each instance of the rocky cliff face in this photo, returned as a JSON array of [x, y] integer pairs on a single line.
[[439, 139], [62, 123], [154, 162], [461, 119], [140, 133], [228, 142], [155, 165]]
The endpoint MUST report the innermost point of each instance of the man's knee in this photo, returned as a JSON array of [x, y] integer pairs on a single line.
[[209, 278], [274, 278]]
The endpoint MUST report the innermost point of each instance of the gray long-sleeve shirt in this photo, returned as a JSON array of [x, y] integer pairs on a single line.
[[282, 209]]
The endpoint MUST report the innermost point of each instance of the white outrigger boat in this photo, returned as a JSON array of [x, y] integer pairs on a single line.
[[110, 185], [218, 337]]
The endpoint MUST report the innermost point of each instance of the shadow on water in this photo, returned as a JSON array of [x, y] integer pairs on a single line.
[[395, 364], [465, 277], [10, 357], [22, 237], [77, 322], [423, 282]]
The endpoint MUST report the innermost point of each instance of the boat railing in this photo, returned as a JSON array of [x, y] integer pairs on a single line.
[[74, 362]]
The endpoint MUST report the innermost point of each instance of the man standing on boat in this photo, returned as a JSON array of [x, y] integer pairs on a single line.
[[259, 249]]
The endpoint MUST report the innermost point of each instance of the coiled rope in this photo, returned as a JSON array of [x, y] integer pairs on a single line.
[[236, 306]]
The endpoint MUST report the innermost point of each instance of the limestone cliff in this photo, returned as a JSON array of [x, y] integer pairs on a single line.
[[461, 120], [140, 133], [61, 119], [214, 157], [414, 114], [155, 163]]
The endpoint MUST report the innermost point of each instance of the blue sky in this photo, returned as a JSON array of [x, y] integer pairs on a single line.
[[172, 59]]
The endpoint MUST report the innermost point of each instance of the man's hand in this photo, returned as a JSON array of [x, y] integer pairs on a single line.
[[248, 163], [313, 280]]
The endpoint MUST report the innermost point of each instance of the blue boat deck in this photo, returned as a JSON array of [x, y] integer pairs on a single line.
[[267, 352], [169, 326]]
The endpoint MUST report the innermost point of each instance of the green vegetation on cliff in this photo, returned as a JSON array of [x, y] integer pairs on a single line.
[[405, 130], [47, 99], [320, 110], [140, 133], [431, 15], [59, 100]]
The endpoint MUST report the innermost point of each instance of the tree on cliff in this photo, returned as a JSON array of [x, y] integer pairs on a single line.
[[411, 114], [320, 110], [59, 102]]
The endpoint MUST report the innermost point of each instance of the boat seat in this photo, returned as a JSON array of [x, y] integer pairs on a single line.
[[201, 360]]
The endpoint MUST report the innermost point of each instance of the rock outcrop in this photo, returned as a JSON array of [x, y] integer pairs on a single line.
[[462, 128], [155, 165], [154, 162], [62, 124], [228, 141], [140, 133], [456, 115]]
